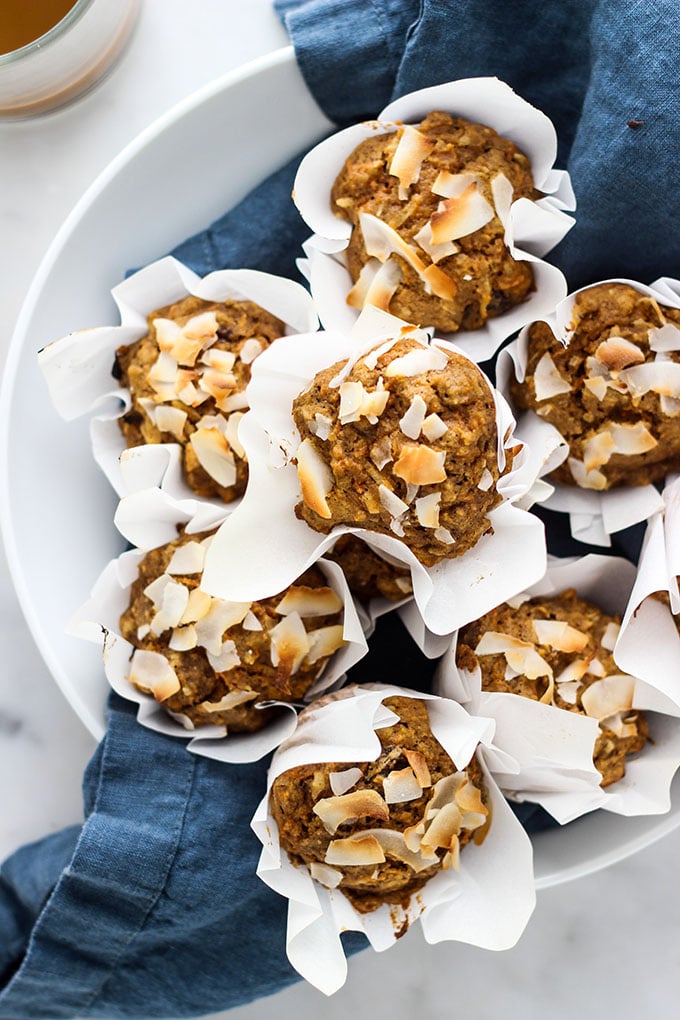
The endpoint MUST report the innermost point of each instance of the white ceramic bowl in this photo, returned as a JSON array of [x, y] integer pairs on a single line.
[[55, 505]]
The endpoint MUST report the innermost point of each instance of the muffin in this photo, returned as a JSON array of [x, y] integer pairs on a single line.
[[187, 379], [368, 575], [422, 201], [405, 444], [211, 661], [379, 830], [559, 651], [609, 392]]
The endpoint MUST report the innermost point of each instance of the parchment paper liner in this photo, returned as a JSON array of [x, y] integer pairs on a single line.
[[553, 746], [649, 644], [153, 516], [593, 516], [532, 228], [265, 544], [78, 367], [487, 903]]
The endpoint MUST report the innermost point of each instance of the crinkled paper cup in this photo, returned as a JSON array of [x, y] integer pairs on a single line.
[[78, 368], [531, 228], [155, 518], [554, 747], [267, 546], [648, 645], [486, 903], [595, 515]]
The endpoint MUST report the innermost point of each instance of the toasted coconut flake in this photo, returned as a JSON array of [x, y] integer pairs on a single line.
[[670, 406], [412, 148], [143, 631], [156, 590], [469, 800], [325, 875], [444, 826], [324, 642], [321, 426], [397, 527], [203, 327], [227, 658], [461, 215], [355, 850], [427, 510], [235, 402], [595, 667], [559, 635], [183, 639], [616, 353], [486, 480], [434, 428], [586, 479], [448, 185], [187, 559], [218, 385], [289, 643], [190, 395], [251, 622], [152, 673], [250, 350], [610, 636], [342, 782], [394, 506], [411, 492], [172, 420], [163, 370], [412, 421], [198, 606], [576, 670], [439, 283], [306, 601], [337, 811], [598, 450], [222, 615], [230, 700], [393, 844], [664, 338], [401, 785], [356, 298], [620, 726], [520, 655], [221, 361], [419, 765], [437, 252], [381, 241], [173, 607], [167, 332], [608, 696], [383, 285], [351, 397], [214, 455], [547, 380], [417, 362], [404, 584], [517, 600], [444, 791], [420, 465], [412, 836], [630, 440], [597, 386], [444, 536], [315, 478], [381, 452], [233, 422], [568, 690]]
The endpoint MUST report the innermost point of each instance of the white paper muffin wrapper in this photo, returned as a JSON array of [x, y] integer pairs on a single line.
[[487, 903], [98, 620], [593, 516], [649, 644], [531, 228], [77, 368], [554, 747], [267, 546]]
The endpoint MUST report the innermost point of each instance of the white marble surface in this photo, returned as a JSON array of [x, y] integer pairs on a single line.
[[607, 942]]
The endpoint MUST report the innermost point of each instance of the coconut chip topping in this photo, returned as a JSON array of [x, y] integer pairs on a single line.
[[425, 422], [188, 379], [398, 820], [547, 658], [205, 657]]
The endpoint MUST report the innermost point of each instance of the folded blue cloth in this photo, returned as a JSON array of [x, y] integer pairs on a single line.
[[153, 908]]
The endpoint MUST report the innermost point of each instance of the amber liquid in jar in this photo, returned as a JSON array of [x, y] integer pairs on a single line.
[[24, 21]]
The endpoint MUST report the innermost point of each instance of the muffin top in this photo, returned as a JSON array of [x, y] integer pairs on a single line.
[[422, 202], [559, 651], [379, 830], [211, 661], [187, 378], [403, 442], [613, 392]]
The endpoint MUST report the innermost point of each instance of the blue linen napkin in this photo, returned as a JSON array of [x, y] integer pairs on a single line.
[[152, 909]]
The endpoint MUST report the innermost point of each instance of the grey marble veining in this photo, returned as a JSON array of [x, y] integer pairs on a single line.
[[604, 945]]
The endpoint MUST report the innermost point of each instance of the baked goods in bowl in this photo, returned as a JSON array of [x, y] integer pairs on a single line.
[[379, 830], [611, 388], [427, 243], [558, 650]]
